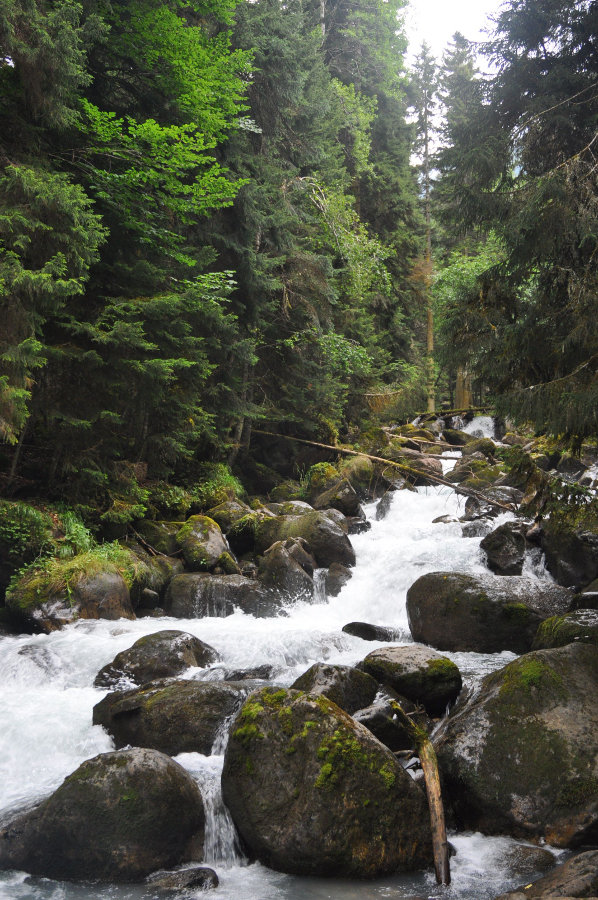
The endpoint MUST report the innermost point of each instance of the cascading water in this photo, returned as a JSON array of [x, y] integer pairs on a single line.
[[47, 697]]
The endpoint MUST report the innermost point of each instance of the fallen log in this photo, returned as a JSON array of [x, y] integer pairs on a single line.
[[427, 757], [469, 492]]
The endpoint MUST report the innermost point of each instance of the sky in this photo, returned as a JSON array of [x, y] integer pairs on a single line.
[[435, 21]]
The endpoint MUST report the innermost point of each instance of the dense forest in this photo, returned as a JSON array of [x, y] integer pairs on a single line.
[[219, 216]]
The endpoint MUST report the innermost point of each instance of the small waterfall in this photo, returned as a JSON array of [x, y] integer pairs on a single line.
[[221, 843], [320, 585]]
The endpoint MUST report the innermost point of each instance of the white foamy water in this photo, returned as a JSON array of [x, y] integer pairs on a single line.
[[47, 696]]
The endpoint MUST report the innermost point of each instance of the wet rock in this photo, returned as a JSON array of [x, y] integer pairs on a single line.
[[200, 877], [287, 568], [202, 543], [585, 600], [312, 792], [45, 607], [116, 818], [505, 549], [481, 614], [577, 877], [341, 496], [170, 716], [368, 632], [327, 541], [380, 718], [258, 673], [418, 673], [383, 506], [196, 595], [476, 508], [337, 577], [476, 528], [347, 687], [580, 625], [157, 655], [360, 472], [358, 524], [521, 756], [457, 438]]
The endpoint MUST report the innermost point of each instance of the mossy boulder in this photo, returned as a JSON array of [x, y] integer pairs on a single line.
[[360, 472], [344, 685], [158, 655], [342, 496], [171, 716], [418, 673], [85, 587], [196, 595], [286, 490], [118, 817], [485, 446], [570, 544], [319, 478], [286, 569], [457, 438], [521, 757], [227, 513], [312, 792], [505, 549], [150, 573], [160, 535], [202, 543], [481, 614], [580, 625], [326, 539]]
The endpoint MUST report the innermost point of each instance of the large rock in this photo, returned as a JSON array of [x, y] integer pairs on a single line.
[[197, 595], [158, 655], [483, 614], [227, 513], [381, 719], [368, 632], [342, 496], [47, 606], [118, 817], [578, 877], [505, 549], [312, 792], [522, 755], [571, 552], [202, 543], [287, 569], [347, 687], [171, 716], [579, 625], [327, 541], [418, 673]]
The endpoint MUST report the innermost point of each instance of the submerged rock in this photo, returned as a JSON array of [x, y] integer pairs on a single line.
[[170, 716], [577, 877], [521, 756], [200, 877], [287, 569], [157, 655], [118, 817], [368, 632], [418, 673], [196, 595], [312, 792], [482, 614]]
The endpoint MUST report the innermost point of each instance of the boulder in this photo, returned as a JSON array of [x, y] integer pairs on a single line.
[[342, 496], [577, 877], [521, 756], [286, 569], [160, 535], [476, 508], [347, 687], [197, 595], [418, 673], [505, 549], [202, 543], [580, 625], [118, 817], [326, 539], [381, 719], [47, 606], [158, 655], [482, 614], [360, 472], [312, 792], [571, 552], [337, 577], [457, 438], [368, 632], [227, 513], [170, 716]]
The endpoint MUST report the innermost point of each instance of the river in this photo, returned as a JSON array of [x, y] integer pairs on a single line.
[[47, 696]]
